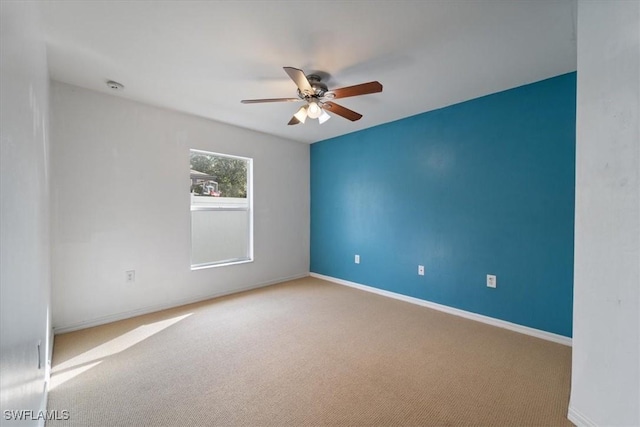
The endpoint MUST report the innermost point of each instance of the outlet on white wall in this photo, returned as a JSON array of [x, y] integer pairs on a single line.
[[492, 281], [130, 276]]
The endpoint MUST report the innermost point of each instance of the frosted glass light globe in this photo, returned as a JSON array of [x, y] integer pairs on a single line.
[[314, 110]]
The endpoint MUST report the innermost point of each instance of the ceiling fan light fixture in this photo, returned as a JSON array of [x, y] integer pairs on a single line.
[[314, 110], [301, 115], [318, 98], [323, 117]]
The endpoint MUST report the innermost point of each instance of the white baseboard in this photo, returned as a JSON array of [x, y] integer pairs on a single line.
[[152, 309], [560, 339], [47, 377], [579, 418]]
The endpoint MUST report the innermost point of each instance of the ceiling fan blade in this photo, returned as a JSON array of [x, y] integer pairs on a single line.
[[361, 89], [332, 107], [300, 80], [293, 121], [257, 101]]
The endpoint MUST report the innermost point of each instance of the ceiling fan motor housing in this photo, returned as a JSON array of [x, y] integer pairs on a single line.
[[319, 88]]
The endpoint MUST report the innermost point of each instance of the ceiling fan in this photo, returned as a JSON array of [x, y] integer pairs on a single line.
[[319, 98]]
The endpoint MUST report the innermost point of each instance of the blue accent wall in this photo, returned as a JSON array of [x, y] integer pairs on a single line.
[[481, 187]]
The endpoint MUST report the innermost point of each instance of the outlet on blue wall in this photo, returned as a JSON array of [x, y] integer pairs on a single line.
[[482, 187]]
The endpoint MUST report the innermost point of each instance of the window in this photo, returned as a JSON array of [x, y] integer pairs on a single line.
[[221, 209]]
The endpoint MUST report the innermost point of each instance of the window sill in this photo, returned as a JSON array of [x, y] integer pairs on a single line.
[[221, 264]]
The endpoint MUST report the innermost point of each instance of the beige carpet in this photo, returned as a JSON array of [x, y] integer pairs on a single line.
[[307, 352]]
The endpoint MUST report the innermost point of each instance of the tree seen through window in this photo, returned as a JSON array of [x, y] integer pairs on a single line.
[[228, 174]]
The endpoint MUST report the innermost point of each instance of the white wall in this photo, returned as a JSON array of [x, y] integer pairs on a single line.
[[24, 211], [606, 318], [120, 202]]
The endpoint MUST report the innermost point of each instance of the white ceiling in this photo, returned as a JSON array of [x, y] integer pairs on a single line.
[[203, 57]]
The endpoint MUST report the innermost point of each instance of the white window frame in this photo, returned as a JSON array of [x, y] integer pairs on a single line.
[[248, 207]]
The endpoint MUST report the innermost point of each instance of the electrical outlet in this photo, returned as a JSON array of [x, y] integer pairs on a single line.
[[130, 276], [492, 281], [421, 270], [357, 259]]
